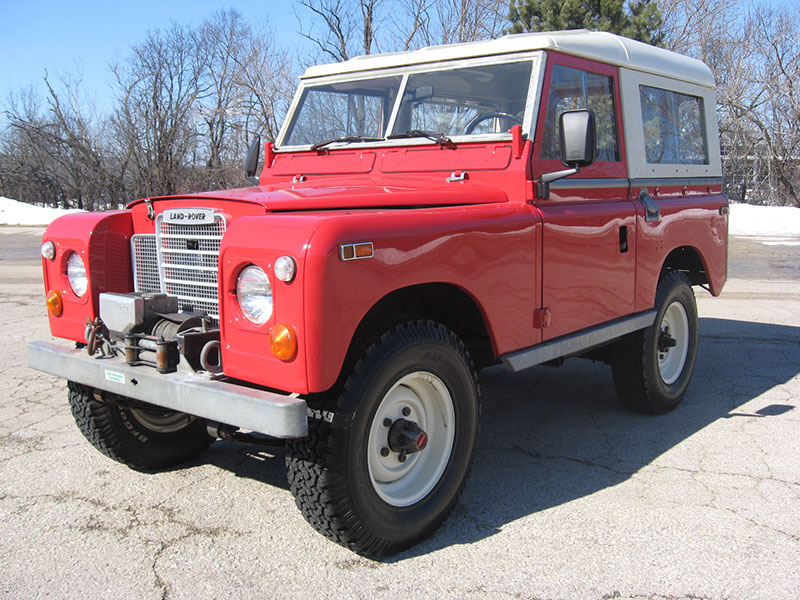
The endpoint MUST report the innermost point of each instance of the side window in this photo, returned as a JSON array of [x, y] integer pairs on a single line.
[[574, 88], [674, 129]]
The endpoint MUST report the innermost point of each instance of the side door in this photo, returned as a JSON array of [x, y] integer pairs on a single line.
[[588, 237]]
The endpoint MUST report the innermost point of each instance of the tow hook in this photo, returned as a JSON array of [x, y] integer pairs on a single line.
[[406, 437]]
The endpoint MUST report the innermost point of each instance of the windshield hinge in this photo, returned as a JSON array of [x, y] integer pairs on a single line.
[[457, 176]]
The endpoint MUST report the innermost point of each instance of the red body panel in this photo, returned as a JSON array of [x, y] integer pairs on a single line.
[[488, 252], [468, 158], [586, 278], [689, 218], [103, 242], [246, 352], [344, 162]]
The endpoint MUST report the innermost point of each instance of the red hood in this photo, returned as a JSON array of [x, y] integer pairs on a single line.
[[334, 194]]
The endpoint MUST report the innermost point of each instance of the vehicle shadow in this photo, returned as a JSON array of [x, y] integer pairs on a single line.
[[550, 436]]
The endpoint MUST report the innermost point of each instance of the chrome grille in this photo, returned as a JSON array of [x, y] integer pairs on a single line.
[[181, 260], [145, 263]]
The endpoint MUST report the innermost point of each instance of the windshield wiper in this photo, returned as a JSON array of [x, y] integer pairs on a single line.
[[349, 138], [436, 136]]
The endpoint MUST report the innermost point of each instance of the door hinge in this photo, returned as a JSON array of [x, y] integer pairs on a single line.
[[542, 318]]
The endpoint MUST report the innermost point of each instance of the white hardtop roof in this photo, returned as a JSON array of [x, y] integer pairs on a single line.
[[596, 45]]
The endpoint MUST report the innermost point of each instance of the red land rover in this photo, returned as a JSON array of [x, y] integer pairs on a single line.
[[423, 215]]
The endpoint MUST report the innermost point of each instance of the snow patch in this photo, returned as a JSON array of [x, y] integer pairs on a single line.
[[764, 221], [13, 212]]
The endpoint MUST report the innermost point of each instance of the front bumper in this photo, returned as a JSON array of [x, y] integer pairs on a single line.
[[257, 410]]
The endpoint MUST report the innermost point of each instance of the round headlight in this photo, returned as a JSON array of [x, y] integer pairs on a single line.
[[76, 274], [254, 294], [285, 268], [49, 250]]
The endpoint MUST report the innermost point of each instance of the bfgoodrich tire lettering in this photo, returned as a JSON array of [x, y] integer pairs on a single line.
[[143, 437], [653, 367], [335, 484]]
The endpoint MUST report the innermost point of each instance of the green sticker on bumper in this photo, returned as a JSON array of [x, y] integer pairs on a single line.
[[115, 377]]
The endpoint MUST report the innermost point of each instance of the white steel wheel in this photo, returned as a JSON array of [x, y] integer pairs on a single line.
[[652, 367], [387, 466], [673, 343], [400, 478]]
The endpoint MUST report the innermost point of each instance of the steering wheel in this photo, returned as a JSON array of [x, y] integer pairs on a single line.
[[475, 121]]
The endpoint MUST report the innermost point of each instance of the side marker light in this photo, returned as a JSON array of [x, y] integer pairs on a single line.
[[356, 251]]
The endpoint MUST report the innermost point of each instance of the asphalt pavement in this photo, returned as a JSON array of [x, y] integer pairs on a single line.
[[570, 496]]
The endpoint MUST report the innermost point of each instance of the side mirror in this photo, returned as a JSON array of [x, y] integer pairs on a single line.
[[577, 131], [251, 162]]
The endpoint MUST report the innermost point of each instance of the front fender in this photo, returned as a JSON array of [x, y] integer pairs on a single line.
[[487, 251], [102, 239]]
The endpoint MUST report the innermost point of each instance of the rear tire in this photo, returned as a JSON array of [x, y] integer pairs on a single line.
[[348, 477], [142, 436], [653, 366]]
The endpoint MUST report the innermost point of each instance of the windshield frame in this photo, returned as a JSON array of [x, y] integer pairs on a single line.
[[536, 58]]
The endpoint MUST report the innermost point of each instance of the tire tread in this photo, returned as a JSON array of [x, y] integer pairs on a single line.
[[100, 423], [316, 464], [635, 376]]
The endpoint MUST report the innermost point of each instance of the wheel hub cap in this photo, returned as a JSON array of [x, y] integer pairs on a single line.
[[406, 436]]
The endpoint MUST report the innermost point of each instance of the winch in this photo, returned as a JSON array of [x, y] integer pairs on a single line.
[[148, 329]]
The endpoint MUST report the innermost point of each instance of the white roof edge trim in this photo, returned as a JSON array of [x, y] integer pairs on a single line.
[[595, 45]]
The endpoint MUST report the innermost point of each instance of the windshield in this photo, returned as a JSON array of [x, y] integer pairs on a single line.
[[473, 100], [353, 108]]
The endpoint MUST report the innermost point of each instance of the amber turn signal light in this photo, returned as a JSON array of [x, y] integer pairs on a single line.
[[54, 303], [283, 341]]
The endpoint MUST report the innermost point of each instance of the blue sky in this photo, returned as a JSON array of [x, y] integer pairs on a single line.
[[72, 36]]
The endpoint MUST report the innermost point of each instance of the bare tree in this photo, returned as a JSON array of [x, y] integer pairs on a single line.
[[157, 88], [754, 53], [187, 100], [420, 23], [770, 103], [251, 78], [55, 152], [342, 29], [266, 80]]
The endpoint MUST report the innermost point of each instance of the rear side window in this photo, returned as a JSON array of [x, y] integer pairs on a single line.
[[674, 127], [574, 88]]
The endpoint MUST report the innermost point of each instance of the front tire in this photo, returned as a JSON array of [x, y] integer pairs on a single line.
[[353, 479], [653, 366], [141, 436]]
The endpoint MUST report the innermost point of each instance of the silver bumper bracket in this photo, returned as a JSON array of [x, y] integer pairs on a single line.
[[265, 412]]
